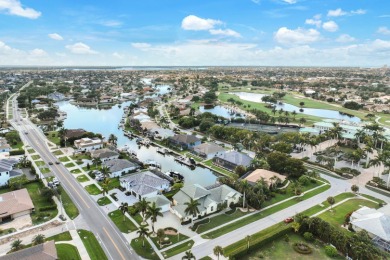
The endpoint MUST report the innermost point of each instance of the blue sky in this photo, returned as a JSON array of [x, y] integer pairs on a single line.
[[195, 32]]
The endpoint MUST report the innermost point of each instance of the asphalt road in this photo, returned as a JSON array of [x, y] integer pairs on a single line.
[[112, 240]]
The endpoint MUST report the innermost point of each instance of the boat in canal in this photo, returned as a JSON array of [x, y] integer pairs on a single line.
[[175, 174]]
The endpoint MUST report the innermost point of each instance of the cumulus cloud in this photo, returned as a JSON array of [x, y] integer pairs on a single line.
[[141, 45], [290, 1], [38, 53], [195, 23], [80, 48], [15, 7], [296, 37], [111, 23], [315, 22], [227, 32], [56, 36], [117, 55], [344, 38], [339, 12], [330, 26], [383, 30]]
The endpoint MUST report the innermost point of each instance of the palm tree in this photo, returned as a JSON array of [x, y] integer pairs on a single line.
[[142, 207], [124, 208], [16, 245], [160, 235], [360, 134], [302, 121], [331, 201], [96, 161], [248, 240], [192, 208], [188, 255], [153, 212], [105, 186], [355, 188], [143, 232], [113, 139], [38, 239], [244, 186], [294, 113], [218, 250], [296, 187], [106, 171]]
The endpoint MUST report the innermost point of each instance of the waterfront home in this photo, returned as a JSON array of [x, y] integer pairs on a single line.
[[119, 167], [106, 99], [88, 144], [184, 141], [269, 176], [56, 96], [161, 133], [4, 146], [104, 154], [7, 171], [208, 150], [146, 126], [45, 251], [161, 202], [210, 199], [15, 204], [74, 133], [231, 159], [144, 184]]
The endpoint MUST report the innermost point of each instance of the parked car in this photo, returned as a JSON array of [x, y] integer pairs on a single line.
[[288, 220], [51, 184], [55, 181]]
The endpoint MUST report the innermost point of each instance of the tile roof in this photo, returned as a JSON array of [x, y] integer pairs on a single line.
[[144, 182], [45, 251], [236, 158], [208, 148], [15, 202], [188, 139], [116, 165]]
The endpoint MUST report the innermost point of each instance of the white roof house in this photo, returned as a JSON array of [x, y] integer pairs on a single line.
[[88, 144], [376, 223]]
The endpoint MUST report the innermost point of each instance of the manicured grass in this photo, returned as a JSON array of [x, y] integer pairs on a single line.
[[114, 183], [178, 249], [80, 156], [67, 252], [210, 164], [262, 214], [336, 217], [124, 224], [206, 258], [65, 236], [373, 198], [35, 157], [104, 201], [64, 159], [39, 201], [91, 168], [76, 171], [93, 189], [70, 208], [82, 178], [39, 163], [70, 165], [146, 251], [30, 151], [58, 152], [44, 170], [219, 220], [53, 137], [173, 238], [93, 247]]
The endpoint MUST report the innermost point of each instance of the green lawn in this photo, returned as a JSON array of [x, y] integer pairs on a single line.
[[173, 238], [58, 152], [70, 208], [30, 151], [44, 170], [178, 249], [35, 157], [104, 201], [114, 183], [80, 156], [53, 137], [93, 247], [76, 171], [91, 167], [65, 236], [40, 163], [146, 251], [82, 178], [262, 214], [93, 189], [124, 224], [67, 252], [219, 220], [336, 217], [64, 159], [373, 198], [70, 165]]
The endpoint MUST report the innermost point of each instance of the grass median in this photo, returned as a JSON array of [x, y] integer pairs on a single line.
[[95, 251]]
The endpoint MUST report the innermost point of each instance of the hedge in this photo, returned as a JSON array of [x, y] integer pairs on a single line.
[[241, 252], [197, 224], [17, 152], [51, 207]]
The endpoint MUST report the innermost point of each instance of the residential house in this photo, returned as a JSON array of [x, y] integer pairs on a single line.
[[161, 202], [4, 146], [45, 251], [6, 171], [15, 204], [144, 184], [161, 133], [74, 133], [184, 141], [56, 96], [119, 167], [208, 150], [231, 159], [210, 199], [88, 144], [269, 176], [104, 154]]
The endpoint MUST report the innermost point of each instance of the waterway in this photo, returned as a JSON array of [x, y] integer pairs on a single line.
[[326, 113], [220, 111], [105, 122]]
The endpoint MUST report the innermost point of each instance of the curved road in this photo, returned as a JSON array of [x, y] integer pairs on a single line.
[[112, 240]]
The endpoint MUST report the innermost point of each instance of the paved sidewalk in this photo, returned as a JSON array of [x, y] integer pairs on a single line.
[[79, 244]]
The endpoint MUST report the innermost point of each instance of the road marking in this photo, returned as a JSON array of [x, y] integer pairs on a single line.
[[117, 249]]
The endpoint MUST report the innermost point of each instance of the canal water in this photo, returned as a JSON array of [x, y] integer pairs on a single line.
[[106, 121], [220, 111], [326, 113]]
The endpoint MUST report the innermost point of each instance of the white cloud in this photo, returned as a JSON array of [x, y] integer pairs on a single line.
[[344, 38], [227, 32], [14, 7], [111, 23], [290, 1], [296, 37], [256, 1], [56, 36], [313, 22], [195, 23], [80, 48], [339, 12], [383, 30], [38, 53], [141, 45], [330, 26], [117, 55]]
